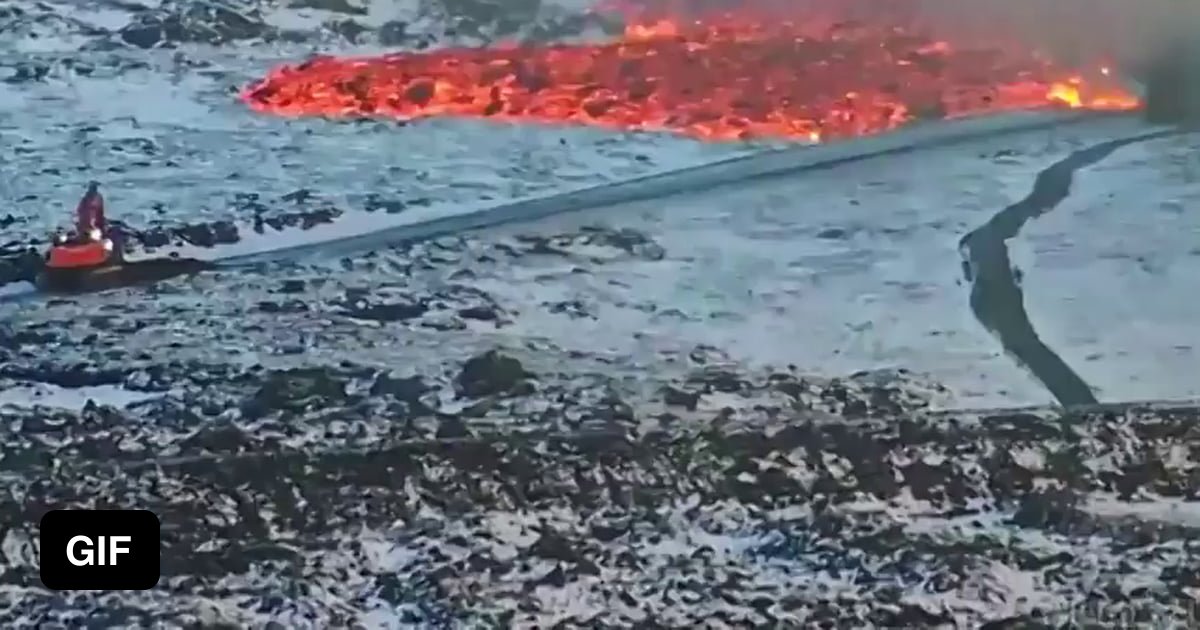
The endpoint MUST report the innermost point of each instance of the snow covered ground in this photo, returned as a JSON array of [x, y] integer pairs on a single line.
[[1111, 276], [852, 268], [181, 150]]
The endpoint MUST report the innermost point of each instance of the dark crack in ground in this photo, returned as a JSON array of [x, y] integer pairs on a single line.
[[383, 440], [374, 447], [996, 296]]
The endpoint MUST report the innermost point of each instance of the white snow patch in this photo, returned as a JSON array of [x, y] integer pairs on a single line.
[[511, 532], [33, 395], [1163, 510], [14, 289], [457, 166], [997, 592]]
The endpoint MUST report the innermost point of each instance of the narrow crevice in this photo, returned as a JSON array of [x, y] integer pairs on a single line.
[[996, 296]]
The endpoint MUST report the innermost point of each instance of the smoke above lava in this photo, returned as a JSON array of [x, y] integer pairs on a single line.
[[715, 69], [1075, 32]]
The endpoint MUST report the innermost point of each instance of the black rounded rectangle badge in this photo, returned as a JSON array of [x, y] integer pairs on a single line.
[[100, 550]]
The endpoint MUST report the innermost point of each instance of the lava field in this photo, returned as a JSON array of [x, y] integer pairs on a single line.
[[554, 424], [720, 75]]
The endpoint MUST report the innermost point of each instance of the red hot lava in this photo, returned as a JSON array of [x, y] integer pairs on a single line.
[[716, 76]]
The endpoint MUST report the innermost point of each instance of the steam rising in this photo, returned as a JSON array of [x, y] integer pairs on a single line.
[[1129, 34]]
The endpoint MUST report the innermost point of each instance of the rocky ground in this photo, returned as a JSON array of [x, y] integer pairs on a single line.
[[367, 444], [374, 442], [416, 24]]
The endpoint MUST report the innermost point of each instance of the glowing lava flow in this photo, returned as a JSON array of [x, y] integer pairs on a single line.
[[717, 78]]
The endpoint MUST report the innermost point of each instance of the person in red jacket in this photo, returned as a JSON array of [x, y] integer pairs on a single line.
[[90, 224]]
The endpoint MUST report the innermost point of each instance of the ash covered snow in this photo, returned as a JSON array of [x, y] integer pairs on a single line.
[[717, 410]]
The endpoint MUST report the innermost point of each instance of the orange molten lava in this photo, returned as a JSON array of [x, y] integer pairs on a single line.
[[720, 77]]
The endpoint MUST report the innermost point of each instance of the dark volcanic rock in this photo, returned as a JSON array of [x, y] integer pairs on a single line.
[[444, 309], [491, 373], [1056, 510], [750, 501], [69, 376], [393, 33], [296, 391], [404, 389], [375, 202], [22, 265], [679, 398], [210, 235], [336, 6], [349, 30], [394, 312], [292, 286], [626, 240], [28, 72], [479, 313], [199, 234], [224, 232], [288, 306], [192, 22]]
